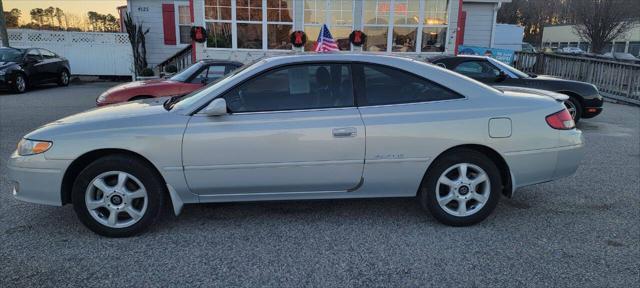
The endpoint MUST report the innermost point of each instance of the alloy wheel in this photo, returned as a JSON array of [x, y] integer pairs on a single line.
[[463, 189], [116, 199], [21, 85], [64, 78], [571, 107]]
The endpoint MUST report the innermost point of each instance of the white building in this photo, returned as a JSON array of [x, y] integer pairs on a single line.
[[564, 36], [244, 30]]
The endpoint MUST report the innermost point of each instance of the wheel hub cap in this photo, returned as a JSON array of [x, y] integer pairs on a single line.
[[116, 200], [463, 189]]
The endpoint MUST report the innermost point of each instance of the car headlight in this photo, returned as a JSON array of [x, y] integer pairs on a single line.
[[32, 147]]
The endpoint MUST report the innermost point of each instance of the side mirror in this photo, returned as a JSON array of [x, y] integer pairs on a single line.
[[204, 81], [501, 77], [532, 75], [31, 60], [217, 107]]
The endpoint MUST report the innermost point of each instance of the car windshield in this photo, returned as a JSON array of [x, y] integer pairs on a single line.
[[204, 91], [10, 55], [186, 73], [514, 71]]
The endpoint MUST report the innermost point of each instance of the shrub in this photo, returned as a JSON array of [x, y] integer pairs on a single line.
[[147, 72]]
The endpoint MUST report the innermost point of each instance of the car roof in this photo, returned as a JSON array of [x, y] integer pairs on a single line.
[[222, 62]]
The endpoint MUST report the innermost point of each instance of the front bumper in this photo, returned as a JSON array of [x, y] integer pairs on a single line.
[[36, 179]]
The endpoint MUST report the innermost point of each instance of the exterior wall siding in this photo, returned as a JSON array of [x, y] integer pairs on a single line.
[[149, 14], [479, 25]]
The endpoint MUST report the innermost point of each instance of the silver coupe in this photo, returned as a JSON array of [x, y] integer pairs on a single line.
[[302, 127]]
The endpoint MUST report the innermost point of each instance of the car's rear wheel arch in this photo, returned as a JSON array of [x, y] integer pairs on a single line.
[[84, 160], [496, 158]]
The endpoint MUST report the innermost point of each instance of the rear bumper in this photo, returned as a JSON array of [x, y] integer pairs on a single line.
[[36, 179], [543, 165], [590, 112]]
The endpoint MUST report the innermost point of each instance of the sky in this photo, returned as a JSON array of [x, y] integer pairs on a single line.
[[79, 7]]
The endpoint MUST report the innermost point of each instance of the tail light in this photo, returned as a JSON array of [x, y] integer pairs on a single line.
[[561, 120]]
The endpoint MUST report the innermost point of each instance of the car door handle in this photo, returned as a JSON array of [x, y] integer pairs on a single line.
[[345, 132]]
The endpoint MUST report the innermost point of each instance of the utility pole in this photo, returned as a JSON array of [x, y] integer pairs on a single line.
[[3, 27]]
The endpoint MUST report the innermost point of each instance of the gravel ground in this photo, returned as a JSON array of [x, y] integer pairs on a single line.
[[582, 231]]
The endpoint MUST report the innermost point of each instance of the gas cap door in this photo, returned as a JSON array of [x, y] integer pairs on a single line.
[[500, 127]]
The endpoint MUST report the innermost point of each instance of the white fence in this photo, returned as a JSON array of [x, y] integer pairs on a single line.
[[89, 53]]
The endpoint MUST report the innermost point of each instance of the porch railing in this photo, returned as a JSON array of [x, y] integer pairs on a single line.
[[181, 60], [616, 80]]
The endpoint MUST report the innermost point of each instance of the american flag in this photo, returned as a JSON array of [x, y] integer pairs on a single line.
[[325, 42]]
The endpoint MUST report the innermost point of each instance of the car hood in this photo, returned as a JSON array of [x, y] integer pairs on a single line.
[[143, 84], [4, 65], [124, 110], [538, 92]]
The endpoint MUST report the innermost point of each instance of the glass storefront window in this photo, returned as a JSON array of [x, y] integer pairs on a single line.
[[219, 35], [436, 12], [217, 9], [433, 39], [249, 36], [249, 10], [404, 39], [337, 14], [376, 39], [279, 36]]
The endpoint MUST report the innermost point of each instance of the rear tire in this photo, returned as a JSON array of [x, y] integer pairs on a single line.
[[19, 84], [118, 196], [63, 78], [574, 107], [457, 200]]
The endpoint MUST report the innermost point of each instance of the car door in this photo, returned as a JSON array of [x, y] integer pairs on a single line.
[[290, 129], [34, 66], [50, 65], [406, 117]]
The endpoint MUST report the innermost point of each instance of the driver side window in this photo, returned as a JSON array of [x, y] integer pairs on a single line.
[[296, 87], [477, 69]]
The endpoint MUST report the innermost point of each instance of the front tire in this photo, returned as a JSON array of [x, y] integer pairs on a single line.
[[118, 196], [461, 188], [63, 78], [19, 84]]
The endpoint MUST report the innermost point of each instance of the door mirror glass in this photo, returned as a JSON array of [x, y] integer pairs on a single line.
[[217, 107]]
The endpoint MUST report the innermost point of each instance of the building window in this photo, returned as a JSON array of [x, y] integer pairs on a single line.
[[184, 22], [408, 23], [253, 19], [337, 14], [249, 24], [434, 30], [279, 24], [406, 19], [217, 15]]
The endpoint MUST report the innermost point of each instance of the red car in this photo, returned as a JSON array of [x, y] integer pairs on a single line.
[[190, 79]]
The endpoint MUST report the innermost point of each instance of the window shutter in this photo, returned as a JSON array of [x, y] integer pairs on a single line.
[[169, 24]]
